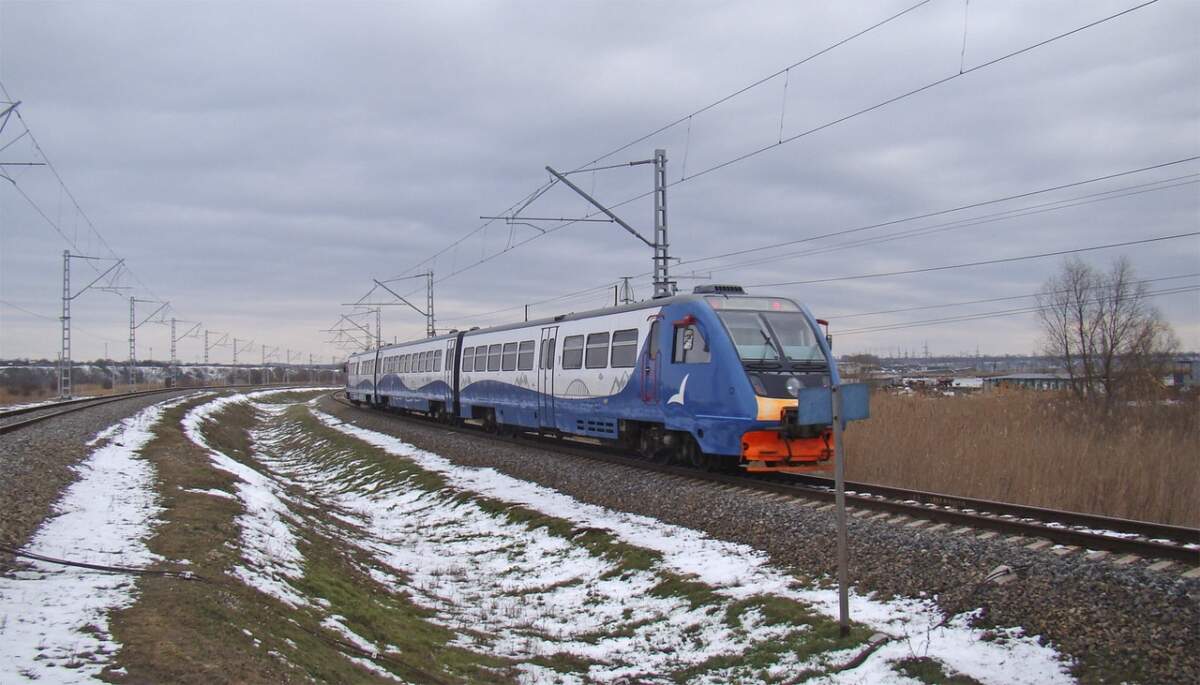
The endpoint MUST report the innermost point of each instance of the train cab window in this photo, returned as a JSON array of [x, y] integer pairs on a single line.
[[572, 352], [525, 356], [690, 346], [624, 349], [509, 357], [597, 351], [493, 358], [437, 361]]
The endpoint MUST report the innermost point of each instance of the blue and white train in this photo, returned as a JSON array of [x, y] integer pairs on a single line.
[[716, 378]]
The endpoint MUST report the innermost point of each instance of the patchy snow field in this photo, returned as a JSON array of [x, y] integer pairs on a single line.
[[565, 590], [737, 571], [54, 619]]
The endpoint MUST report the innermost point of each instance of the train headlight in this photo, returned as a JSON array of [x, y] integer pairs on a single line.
[[793, 386]]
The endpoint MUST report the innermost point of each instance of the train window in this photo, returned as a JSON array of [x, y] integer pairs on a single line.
[[437, 361], [547, 360], [652, 345], [420, 362], [597, 351], [572, 352], [493, 358], [525, 356], [480, 361], [690, 346], [624, 348], [509, 357], [468, 357], [426, 357]]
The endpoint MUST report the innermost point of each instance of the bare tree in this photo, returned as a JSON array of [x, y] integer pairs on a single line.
[[1102, 328]]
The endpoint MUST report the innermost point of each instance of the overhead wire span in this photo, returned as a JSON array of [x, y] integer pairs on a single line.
[[519, 307], [1008, 213], [949, 210], [78, 213], [994, 314], [529, 198], [1005, 260], [1008, 298], [1033, 210], [834, 122]]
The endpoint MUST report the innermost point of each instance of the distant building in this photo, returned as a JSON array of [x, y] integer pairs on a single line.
[[1028, 381], [1186, 373]]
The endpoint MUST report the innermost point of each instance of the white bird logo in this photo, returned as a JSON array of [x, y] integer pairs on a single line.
[[677, 398]]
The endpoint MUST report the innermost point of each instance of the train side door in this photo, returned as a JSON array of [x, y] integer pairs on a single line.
[[651, 364], [448, 372], [545, 376]]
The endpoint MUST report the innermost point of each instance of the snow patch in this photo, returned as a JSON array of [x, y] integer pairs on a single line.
[[738, 571], [54, 619]]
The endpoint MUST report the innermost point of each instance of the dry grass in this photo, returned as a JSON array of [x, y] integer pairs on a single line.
[[1037, 449], [15, 396]]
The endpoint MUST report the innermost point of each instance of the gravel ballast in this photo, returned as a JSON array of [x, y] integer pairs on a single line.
[[36, 462], [1120, 622]]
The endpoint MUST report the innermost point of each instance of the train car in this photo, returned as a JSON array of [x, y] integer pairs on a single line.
[[360, 377], [712, 378], [417, 376]]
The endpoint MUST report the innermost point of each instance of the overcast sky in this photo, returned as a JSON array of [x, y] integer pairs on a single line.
[[257, 164]]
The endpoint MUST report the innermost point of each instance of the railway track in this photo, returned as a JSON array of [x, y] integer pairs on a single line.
[[1123, 541], [16, 419]]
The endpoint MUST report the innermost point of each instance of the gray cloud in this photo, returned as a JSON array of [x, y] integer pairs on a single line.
[[258, 163]]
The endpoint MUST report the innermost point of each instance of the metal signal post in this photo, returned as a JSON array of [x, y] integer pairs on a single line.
[[663, 285], [64, 358], [133, 333]]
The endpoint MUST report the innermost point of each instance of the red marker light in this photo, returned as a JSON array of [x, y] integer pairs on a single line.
[[776, 305]]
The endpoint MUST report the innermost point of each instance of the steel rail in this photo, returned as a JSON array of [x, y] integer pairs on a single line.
[[55, 409], [1140, 538], [1147, 529]]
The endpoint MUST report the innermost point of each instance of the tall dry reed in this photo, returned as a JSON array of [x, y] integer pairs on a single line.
[[1038, 449]]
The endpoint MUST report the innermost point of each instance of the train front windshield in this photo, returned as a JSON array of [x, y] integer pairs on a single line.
[[772, 337]]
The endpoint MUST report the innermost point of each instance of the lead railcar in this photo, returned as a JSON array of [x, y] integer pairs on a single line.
[[716, 378]]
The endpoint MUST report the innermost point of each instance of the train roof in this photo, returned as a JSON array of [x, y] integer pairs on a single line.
[[575, 316]]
